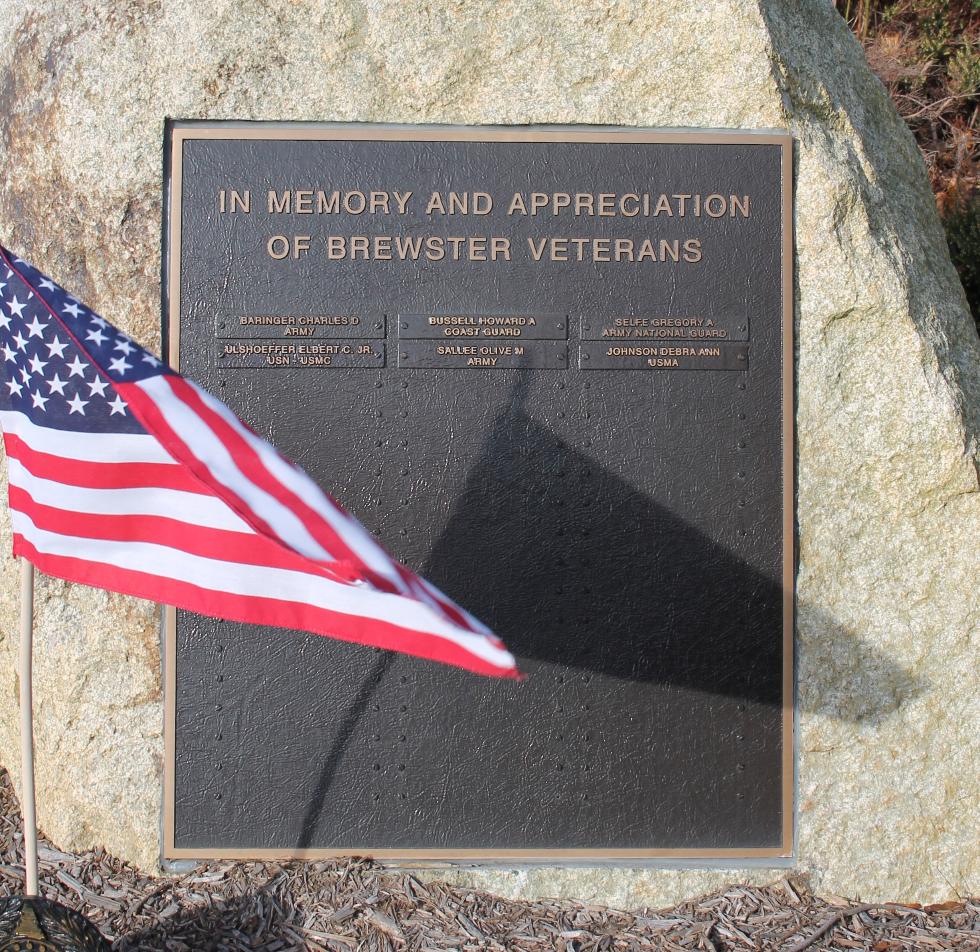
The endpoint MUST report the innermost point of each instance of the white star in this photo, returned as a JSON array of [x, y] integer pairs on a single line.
[[25, 375], [38, 400], [117, 406], [77, 405], [76, 368], [36, 328], [97, 386], [37, 365], [97, 337], [16, 307], [56, 348], [151, 360], [4, 320], [72, 309], [119, 366], [14, 387], [98, 321], [9, 353], [20, 341], [47, 285], [57, 385], [125, 346], [3, 284]]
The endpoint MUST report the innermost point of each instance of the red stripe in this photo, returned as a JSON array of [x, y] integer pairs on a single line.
[[148, 413], [261, 611], [252, 467], [222, 544], [254, 470], [108, 475], [248, 461], [432, 594]]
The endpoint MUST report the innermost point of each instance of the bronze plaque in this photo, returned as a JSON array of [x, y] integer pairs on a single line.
[[551, 368]]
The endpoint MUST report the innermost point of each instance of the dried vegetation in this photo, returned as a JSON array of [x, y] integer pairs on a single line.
[[927, 53], [358, 906]]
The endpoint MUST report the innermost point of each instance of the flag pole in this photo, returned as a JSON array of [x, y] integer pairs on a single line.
[[27, 725]]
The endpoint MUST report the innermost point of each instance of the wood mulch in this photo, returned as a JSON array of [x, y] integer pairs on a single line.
[[356, 904]]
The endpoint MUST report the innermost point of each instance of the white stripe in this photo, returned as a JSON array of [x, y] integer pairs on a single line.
[[350, 530], [193, 508], [262, 582], [299, 483], [205, 445], [434, 593], [296, 481], [89, 447]]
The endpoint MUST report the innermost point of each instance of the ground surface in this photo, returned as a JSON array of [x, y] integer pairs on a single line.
[[357, 905]]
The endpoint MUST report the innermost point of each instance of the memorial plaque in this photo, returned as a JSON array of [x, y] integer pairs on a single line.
[[551, 368]]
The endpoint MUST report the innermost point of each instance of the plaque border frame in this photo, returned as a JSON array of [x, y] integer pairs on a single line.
[[176, 133]]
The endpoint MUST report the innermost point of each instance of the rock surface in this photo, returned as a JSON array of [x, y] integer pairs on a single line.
[[888, 369]]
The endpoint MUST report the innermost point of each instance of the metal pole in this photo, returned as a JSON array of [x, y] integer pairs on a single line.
[[27, 725]]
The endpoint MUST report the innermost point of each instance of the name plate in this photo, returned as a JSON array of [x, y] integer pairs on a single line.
[[596, 355], [253, 354], [651, 329], [302, 326], [483, 326], [432, 355], [556, 381]]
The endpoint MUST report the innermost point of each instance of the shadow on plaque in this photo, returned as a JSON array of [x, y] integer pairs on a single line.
[[599, 578]]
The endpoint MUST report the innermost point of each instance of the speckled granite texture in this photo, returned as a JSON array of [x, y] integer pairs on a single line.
[[888, 368]]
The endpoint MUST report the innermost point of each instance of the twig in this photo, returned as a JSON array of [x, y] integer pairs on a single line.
[[830, 923], [937, 105]]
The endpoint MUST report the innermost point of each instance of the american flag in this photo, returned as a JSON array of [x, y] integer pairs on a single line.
[[126, 476]]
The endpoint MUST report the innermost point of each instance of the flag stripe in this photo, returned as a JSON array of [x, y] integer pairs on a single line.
[[218, 544], [264, 611], [180, 391], [193, 508], [85, 447], [102, 475], [252, 466], [176, 425], [208, 543], [357, 604], [313, 505]]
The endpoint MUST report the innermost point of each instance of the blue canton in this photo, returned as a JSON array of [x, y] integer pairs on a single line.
[[46, 375]]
